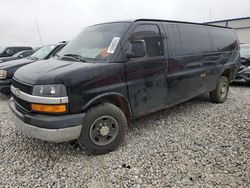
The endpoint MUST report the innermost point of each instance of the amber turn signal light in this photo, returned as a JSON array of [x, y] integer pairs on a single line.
[[49, 108]]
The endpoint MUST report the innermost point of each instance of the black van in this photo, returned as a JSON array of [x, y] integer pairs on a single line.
[[7, 69], [115, 71], [10, 51]]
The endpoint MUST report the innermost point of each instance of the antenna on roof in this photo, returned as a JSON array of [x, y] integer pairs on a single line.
[[210, 15], [38, 30]]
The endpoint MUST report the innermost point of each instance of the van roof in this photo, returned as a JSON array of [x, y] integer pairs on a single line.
[[184, 22], [171, 21]]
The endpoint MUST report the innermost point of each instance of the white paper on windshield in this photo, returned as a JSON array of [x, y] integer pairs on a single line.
[[113, 45]]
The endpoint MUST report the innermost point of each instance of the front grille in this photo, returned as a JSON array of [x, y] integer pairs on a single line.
[[22, 87], [24, 104]]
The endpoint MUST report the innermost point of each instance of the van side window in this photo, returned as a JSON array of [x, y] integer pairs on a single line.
[[223, 39], [194, 39], [173, 38], [150, 34]]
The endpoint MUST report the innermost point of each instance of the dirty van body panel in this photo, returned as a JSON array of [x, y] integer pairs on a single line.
[[221, 61], [84, 81], [146, 78], [147, 86], [191, 73], [184, 81], [225, 52], [101, 81], [186, 75]]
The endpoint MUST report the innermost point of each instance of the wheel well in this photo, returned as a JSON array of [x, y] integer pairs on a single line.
[[228, 73], [115, 100]]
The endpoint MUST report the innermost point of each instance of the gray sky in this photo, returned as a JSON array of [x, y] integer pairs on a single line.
[[62, 19]]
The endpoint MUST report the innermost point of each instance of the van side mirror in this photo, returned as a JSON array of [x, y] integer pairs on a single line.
[[138, 50], [21, 56]]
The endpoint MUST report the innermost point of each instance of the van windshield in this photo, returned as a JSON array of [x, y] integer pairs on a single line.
[[42, 52], [1, 50], [96, 43]]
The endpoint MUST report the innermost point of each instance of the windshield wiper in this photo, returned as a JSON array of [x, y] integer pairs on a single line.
[[75, 57]]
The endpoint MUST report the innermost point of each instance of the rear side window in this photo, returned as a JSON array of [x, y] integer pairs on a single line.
[[173, 38], [223, 39], [193, 39], [150, 35]]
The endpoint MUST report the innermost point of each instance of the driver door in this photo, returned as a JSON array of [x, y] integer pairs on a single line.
[[146, 77]]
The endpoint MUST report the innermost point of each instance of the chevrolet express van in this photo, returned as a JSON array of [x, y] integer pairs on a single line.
[[113, 72]]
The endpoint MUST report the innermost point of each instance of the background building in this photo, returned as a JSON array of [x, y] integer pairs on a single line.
[[241, 25]]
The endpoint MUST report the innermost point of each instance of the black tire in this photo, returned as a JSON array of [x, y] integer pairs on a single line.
[[219, 95], [93, 125]]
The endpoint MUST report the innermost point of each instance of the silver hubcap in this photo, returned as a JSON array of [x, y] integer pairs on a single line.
[[104, 130], [223, 91]]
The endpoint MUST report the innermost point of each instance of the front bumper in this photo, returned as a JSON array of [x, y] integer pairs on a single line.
[[47, 127], [5, 84]]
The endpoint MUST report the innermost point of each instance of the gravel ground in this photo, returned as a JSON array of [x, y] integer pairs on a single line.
[[197, 143]]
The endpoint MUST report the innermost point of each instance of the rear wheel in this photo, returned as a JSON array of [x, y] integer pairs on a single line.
[[104, 129], [219, 95]]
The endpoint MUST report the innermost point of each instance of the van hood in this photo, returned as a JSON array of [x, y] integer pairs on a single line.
[[54, 71]]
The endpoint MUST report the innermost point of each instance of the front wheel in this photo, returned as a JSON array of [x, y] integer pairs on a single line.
[[219, 95], [103, 129]]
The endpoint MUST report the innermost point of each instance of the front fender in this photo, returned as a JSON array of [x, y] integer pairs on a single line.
[[111, 96]]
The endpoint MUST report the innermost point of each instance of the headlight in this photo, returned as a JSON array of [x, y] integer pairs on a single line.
[[58, 90], [3, 74]]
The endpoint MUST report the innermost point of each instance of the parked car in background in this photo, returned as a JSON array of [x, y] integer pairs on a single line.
[[18, 55], [120, 70], [10, 51], [244, 71], [7, 69]]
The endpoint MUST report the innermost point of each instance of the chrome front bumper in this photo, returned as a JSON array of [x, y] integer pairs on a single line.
[[42, 132], [52, 135]]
